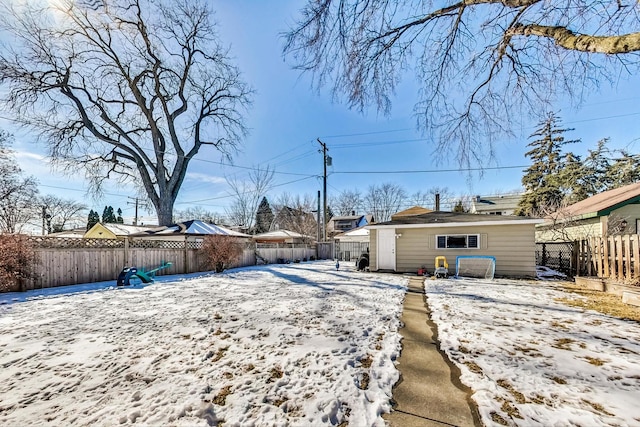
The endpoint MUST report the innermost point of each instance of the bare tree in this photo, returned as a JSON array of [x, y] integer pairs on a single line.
[[130, 89], [427, 198], [199, 213], [482, 64], [346, 202], [247, 194], [294, 213], [61, 212], [18, 193], [384, 200]]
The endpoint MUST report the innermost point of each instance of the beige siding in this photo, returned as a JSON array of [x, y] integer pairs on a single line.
[[513, 246], [591, 227], [373, 250]]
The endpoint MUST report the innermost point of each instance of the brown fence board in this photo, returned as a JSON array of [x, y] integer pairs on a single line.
[[616, 257], [73, 261]]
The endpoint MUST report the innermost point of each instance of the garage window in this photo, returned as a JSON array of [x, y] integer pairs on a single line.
[[458, 241]]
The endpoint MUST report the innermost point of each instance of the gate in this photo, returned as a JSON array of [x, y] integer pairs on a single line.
[[350, 251], [559, 256]]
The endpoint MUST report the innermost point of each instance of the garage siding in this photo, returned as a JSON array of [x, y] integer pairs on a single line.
[[513, 246], [373, 250]]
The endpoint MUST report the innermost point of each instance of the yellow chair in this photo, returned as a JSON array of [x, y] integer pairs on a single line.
[[442, 270]]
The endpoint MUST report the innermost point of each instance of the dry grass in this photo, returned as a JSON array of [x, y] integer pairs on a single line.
[[595, 361], [510, 410], [598, 407], [519, 397], [563, 343], [364, 382], [473, 367], [601, 301], [275, 373], [366, 361], [559, 380], [221, 397], [498, 419]]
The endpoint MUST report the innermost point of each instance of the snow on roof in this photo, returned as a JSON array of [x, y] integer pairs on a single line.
[[193, 227], [361, 231], [124, 229], [279, 234]]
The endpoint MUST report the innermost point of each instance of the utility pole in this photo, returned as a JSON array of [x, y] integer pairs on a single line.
[[324, 187], [135, 218], [318, 215]]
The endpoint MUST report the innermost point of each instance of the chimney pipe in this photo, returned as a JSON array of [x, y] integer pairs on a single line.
[[437, 202]]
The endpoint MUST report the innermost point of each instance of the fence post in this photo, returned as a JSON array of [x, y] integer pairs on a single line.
[[126, 252], [576, 262], [626, 241], [605, 257], [636, 256], [619, 257], [185, 257]]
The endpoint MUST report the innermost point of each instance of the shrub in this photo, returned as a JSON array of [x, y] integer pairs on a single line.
[[221, 252], [17, 260]]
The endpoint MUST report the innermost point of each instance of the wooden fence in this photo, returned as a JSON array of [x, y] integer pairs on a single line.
[[615, 257], [64, 262], [275, 253]]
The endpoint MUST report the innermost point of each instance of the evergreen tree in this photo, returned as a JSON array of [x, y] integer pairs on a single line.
[[459, 207], [541, 180], [264, 217], [92, 219], [108, 216], [623, 170], [595, 176], [571, 179], [119, 219]]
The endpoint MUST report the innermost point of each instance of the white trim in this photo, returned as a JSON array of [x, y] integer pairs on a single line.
[[459, 224]]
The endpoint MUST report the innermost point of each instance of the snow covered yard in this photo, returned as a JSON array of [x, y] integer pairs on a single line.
[[532, 361], [299, 344]]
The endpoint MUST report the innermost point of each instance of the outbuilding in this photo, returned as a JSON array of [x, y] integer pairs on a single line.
[[408, 244]]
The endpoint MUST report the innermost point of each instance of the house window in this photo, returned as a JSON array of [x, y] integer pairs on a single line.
[[458, 241]]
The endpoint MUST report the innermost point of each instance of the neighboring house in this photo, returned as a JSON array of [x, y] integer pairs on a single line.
[[351, 244], [341, 224], [407, 244], [282, 236], [495, 205], [295, 219], [193, 230], [415, 210], [611, 212], [360, 235], [113, 231]]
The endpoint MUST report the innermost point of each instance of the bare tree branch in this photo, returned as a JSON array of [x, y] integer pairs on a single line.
[[132, 90], [482, 65]]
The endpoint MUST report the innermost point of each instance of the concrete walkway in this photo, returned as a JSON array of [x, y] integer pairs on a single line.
[[429, 393]]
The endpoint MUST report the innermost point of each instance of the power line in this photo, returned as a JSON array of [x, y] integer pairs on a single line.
[[246, 192], [373, 144], [431, 170], [365, 133]]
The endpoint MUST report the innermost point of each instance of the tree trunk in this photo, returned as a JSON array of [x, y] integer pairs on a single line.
[[164, 209]]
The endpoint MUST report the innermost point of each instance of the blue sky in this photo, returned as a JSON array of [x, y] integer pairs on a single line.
[[288, 116]]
